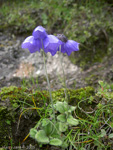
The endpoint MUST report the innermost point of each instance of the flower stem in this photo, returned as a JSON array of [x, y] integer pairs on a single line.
[[64, 77], [48, 82]]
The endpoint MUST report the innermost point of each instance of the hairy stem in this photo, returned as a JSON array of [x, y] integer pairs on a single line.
[[64, 77], [48, 81]]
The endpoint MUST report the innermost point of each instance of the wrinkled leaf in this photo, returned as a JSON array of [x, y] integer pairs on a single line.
[[60, 107], [72, 108], [66, 106], [49, 128], [62, 127], [56, 133], [72, 121], [62, 117], [45, 122], [41, 137], [33, 133], [55, 142]]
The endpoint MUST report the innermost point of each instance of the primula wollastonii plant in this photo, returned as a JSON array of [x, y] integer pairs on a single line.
[[50, 43]]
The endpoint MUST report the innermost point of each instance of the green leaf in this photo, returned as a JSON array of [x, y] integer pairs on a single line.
[[62, 117], [45, 122], [66, 106], [65, 144], [101, 83], [72, 121], [111, 124], [56, 133], [55, 142], [8, 122], [41, 137], [71, 108], [62, 127], [103, 133], [82, 148], [49, 128], [33, 133], [60, 107], [111, 135]]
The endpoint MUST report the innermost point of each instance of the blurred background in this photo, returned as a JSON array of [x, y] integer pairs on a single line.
[[89, 22]]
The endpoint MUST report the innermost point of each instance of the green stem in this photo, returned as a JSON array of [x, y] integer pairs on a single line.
[[64, 77], [48, 81]]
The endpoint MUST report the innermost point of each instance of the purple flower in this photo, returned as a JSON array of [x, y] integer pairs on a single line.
[[51, 44], [34, 43], [67, 46], [39, 33]]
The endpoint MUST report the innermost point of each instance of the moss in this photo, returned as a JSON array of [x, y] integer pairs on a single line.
[[74, 96], [17, 95], [16, 100], [5, 126]]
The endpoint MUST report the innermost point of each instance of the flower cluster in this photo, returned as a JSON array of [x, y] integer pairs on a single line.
[[49, 43]]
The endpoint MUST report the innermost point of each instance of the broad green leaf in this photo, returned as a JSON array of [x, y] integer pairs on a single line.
[[65, 144], [41, 137], [45, 122], [72, 108], [111, 135], [101, 83], [33, 133], [72, 121], [56, 133], [66, 106], [60, 107], [55, 142], [62, 127], [49, 128], [62, 117]]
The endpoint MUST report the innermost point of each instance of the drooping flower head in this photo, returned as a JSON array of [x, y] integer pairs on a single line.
[[67, 46], [32, 44], [41, 40], [51, 44], [39, 33]]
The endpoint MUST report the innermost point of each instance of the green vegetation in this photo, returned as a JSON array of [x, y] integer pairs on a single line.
[[92, 109], [87, 22], [52, 131]]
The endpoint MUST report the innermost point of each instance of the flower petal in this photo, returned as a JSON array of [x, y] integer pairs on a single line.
[[32, 44], [72, 45], [69, 46], [51, 44], [39, 33]]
